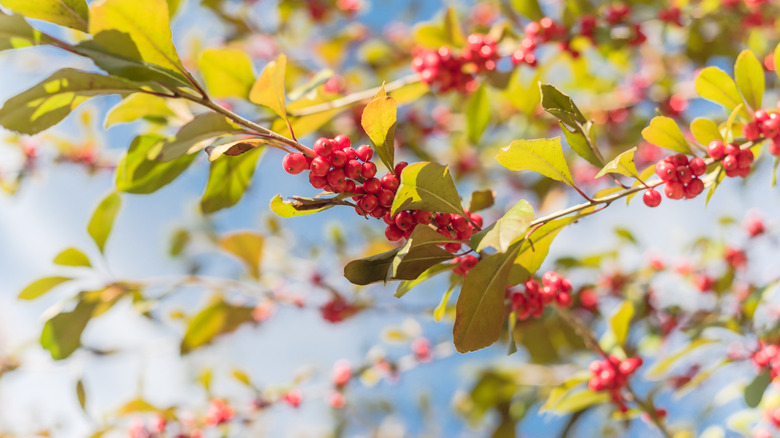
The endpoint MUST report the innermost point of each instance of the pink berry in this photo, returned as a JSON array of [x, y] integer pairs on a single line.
[[731, 149], [665, 170], [744, 158], [294, 163], [730, 162], [716, 149], [652, 198]]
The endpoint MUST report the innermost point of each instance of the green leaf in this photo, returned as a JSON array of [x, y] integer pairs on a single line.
[[370, 269], [194, 136], [661, 367], [287, 209], [61, 334], [716, 85], [179, 240], [16, 33], [234, 148], [509, 229], [41, 286], [228, 73], [621, 320], [529, 8], [136, 29], [229, 177], [438, 312], [575, 400], [214, 320], [47, 103], [754, 392], [560, 106], [448, 34], [480, 200], [578, 142], [405, 286], [378, 120], [664, 132], [622, 164], [749, 74], [69, 13], [543, 156], [705, 130], [242, 377], [136, 173], [535, 248], [247, 246], [268, 90], [626, 235], [140, 106], [72, 257], [99, 227], [81, 394], [427, 186], [479, 313], [419, 253], [477, 114]]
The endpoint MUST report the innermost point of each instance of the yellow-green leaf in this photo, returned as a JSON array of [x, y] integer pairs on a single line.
[[41, 286], [576, 400], [370, 269], [140, 106], [705, 130], [229, 177], [477, 114], [543, 156], [61, 334], [228, 72], [72, 257], [622, 164], [664, 132], [247, 246], [427, 186], [749, 74], [81, 394], [438, 312], [51, 100], [378, 120], [268, 90], [194, 136], [716, 85], [509, 229], [419, 253], [214, 320], [535, 248], [70, 13], [661, 367], [286, 209], [16, 33], [136, 173], [136, 29], [621, 321], [102, 220]]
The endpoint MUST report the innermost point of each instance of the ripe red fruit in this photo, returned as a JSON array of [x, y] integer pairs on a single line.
[[443, 219], [378, 212], [353, 168], [422, 217], [372, 185], [731, 149], [338, 158], [452, 247], [684, 174], [319, 166], [342, 141], [476, 218], [716, 149], [364, 152], [730, 162], [697, 166], [337, 179], [674, 190], [665, 170], [390, 182], [744, 158], [404, 220], [294, 163], [368, 170], [368, 203], [350, 153], [324, 146], [652, 198], [679, 159], [317, 181], [393, 233], [385, 197], [459, 223], [694, 188], [400, 168], [751, 131]]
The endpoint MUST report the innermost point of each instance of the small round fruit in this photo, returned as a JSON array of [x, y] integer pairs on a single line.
[[652, 198], [716, 149], [294, 163], [364, 152], [368, 170]]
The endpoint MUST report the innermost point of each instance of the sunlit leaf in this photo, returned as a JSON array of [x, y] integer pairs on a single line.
[[247, 246], [99, 227], [576, 400], [663, 366], [544, 156], [81, 394], [664, 132], [438, 312], [429, 187], [749, 75], [70, 13], [480, 200], [621, 320], [41, 286], [140, 106], [61, 334], [622, 164], [72, 257], [136, 173], [378, 120], [16, 33], [287, 209], [370, 269], [561, 106], [228, 73], [194, 136], [535, 248], [268, 90], [705, 130], [579, 143], [716, 85], [229, 178], [216, 319], [477, 114], [509, 229]]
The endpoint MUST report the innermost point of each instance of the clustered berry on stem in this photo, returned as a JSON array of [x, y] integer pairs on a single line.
[[532, 302], [765, 124], [768, 357], [464, 264], [612, 375], [681, 176], [448, 70]]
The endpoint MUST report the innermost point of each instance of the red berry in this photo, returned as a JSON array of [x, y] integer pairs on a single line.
[[378, 212], [452, 247], [684, 174], [459, 223], [694, 188], [390, 182], [399, 168], [372, 185], [319, 166], [317, 181], [393, 233], [697, 166], [385, 197], [443, 219], [476, 218], [744, 158], [324, 146], [364, 152], [338, 158], [652, 198], [337, 179], [350, 187], [679, 159], [368, 203], [674, 190], [564, 299], [404, 220], [665, 170], [751, 131], [716, 149], [353, 168], [342, 141], [730, 162], [761, 115], [774, 147], [731, 149], [351, 154], [422, 217], [294, 163], [368, 170]]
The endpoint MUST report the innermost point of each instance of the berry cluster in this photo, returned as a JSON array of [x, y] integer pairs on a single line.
[[464, 264], [454, 226], [612, 375], [219, 412], [532, 302], [768, 356], [670, 15], [767, 125], [736, 162], [543, 31], [337, 309], [681, 177], [448, 70]]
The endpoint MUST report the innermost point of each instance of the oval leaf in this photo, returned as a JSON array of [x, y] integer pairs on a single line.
[[716, 85], [705, 130], [427, 186], [102, 220], [228, 73], [41, 286], [543, 156], [509, 229], [229, 177], [664, 132], [370, 269], [136, 173], [194, 136], [248, 247], [420, 252], [72, 257], [621, 320], [69, 13], [622, 164], [268, 90], [749, 74], [378, 120]]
